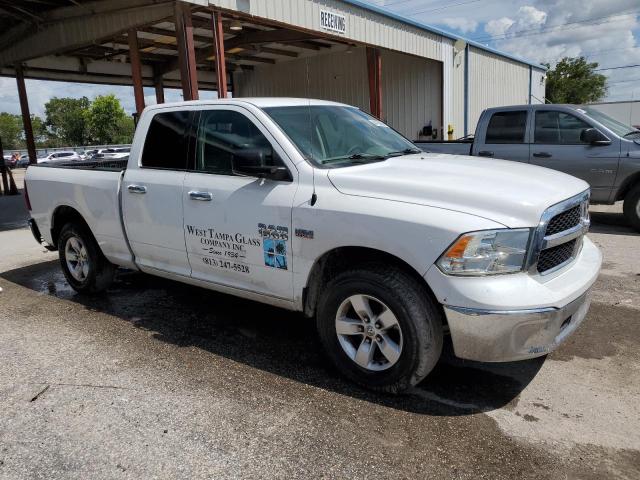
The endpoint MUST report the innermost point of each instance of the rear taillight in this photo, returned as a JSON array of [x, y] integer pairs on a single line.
[[26, 196]]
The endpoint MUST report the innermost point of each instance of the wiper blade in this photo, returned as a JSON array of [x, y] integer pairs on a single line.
[[632, 132], [406, 151], [355, 156]]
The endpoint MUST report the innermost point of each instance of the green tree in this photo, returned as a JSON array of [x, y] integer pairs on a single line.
[[124, 130], [41, 134], [574, 80], [106, 119], [66, 120], [11, 131]]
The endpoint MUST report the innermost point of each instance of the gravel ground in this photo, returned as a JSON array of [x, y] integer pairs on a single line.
[[161, 380]]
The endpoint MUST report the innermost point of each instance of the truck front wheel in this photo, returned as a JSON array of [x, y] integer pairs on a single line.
[[83, 264], [631, 207], [380, 328]]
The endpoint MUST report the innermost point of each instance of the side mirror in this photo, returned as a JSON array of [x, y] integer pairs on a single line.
[[255, 163], [593, 136]]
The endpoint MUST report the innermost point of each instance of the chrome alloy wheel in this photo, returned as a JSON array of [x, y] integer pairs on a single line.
[[369, 332], [77, 258]]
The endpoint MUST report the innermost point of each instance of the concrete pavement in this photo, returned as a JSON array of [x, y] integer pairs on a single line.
[[161, 380]]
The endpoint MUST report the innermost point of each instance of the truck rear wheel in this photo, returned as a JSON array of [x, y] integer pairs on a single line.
[[631, 207], [83, 264], [380, 328]]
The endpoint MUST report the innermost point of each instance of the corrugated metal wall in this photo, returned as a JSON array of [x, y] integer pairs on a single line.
[[538, 85], [337, 76], [411, 86], [361, 25], [411, 93], [453, 90], [494, 81]]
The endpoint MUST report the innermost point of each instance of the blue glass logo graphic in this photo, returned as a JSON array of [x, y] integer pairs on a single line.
[[275, 253]]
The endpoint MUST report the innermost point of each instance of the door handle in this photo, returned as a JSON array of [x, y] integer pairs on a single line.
[[201, 196], [542, 155], [137, 189], [485, 153]]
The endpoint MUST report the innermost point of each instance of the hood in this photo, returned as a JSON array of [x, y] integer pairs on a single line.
[[511, 193]]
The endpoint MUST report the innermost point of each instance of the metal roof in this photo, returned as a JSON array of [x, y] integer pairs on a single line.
[[429, 28]]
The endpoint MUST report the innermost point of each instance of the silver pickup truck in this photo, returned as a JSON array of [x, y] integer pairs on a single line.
[[577, 140]]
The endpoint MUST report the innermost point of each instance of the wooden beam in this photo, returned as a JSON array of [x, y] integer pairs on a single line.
[[268, 36], [218, 40], [136, 70], [26, 116], [158, 85], [186, 51], [171, 33], [374, 67]]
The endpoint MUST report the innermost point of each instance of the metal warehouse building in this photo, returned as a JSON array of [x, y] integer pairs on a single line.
[[407, 73]]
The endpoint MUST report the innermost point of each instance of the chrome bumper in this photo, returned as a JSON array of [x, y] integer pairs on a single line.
[[504, 336]]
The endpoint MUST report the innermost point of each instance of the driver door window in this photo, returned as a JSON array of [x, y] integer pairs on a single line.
[[558, 128], [222, 134]]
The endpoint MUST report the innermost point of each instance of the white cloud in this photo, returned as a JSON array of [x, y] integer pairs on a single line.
[[461, 24], [604, 32], [499, 26], [530, 17]]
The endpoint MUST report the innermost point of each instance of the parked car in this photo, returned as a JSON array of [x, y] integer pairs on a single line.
[[8, 161], [317, 207], [112, 153], [577, 140], [59, 157]]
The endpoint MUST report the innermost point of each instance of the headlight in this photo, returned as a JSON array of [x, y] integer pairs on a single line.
[[488, 252]]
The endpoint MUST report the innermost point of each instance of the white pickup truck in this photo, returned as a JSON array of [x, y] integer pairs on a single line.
[[317, 207]]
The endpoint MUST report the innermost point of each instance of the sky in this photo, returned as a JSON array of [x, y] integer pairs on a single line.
[[545, 31], [605, 31]]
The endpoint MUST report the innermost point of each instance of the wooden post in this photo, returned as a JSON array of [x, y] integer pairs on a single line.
[[374, 67], [186, 51], [136, 70], [26, 116], [218, 44], [158, 84]]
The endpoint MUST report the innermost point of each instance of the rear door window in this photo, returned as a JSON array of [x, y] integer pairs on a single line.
[[166, 145], [507, 127]]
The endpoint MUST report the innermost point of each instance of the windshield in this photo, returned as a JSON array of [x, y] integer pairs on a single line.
[[330, 135], [619, 128]]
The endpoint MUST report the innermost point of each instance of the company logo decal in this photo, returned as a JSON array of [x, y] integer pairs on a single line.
[[274, 245]]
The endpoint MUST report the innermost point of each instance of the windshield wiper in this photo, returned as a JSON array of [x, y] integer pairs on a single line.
[[632, 132], [355, 156], [406, 151]]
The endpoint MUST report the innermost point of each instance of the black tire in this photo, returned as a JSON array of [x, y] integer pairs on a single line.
[[631, 207], [418, 316], [100, 271]]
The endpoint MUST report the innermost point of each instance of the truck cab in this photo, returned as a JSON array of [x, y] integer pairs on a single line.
[[578, 140]]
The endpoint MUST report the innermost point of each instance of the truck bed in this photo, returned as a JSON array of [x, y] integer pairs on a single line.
[[90, 188]]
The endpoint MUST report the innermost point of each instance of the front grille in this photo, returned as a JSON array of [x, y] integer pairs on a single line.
[[564, 221], [554, 256]]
